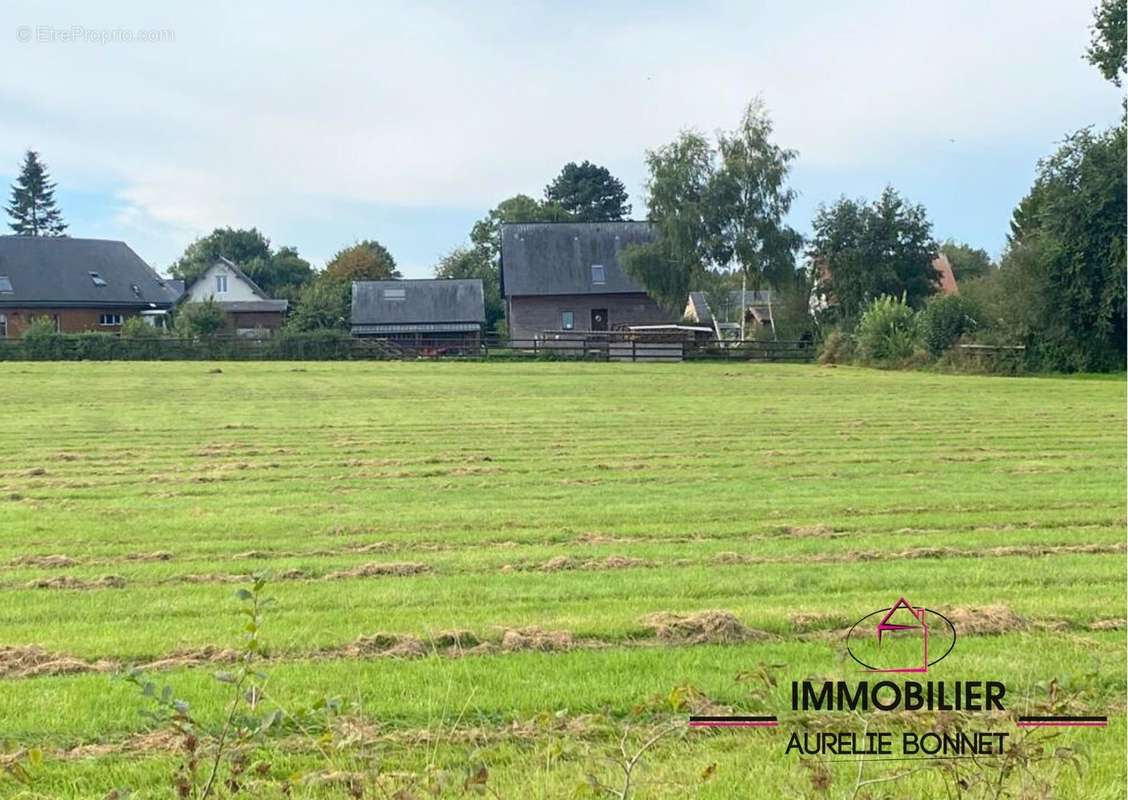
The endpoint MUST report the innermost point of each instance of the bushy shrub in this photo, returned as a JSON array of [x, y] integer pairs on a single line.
[[887, 331], [944, 320], [837, 348], [200, 319], [138, 328]]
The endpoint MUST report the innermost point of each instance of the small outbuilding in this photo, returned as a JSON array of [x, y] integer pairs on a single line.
[[429, 314]]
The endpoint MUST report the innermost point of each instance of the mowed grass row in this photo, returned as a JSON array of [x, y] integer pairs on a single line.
[[768, 491]]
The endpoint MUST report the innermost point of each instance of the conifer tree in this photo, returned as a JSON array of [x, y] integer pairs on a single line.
[[32, 207]]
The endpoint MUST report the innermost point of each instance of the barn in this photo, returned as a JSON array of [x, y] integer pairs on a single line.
[[439, 314]]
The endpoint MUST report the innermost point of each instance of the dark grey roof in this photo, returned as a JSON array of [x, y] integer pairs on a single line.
[[55, 271], [234, 306], [424, 302], [540, 258]]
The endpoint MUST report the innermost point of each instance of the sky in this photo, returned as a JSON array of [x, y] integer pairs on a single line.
[[407, 122]]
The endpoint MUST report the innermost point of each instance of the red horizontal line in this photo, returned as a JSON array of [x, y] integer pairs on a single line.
[[731, 724]]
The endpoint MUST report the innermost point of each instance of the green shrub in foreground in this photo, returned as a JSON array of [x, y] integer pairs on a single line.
[[944, 320], [888, 331]]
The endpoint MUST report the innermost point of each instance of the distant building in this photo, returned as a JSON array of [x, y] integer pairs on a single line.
[[249, 310], [737, 310], [565, 277], [426, 313], [79, 284], [822, 298]]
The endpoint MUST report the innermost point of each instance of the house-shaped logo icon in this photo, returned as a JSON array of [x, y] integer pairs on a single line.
[[903, 621]]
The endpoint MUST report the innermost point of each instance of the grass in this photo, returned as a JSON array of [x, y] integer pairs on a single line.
[[766, 491]]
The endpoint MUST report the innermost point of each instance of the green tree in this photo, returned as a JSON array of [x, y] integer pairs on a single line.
[[486, 233], [239, 245], [1068, 238], [748, 200], [282, 274], [589, 193], [866, 250], [466, 262], [32, 207], [1108, 47], [322, 304], [717, 209], [364, 261], [967, 262], [200, 319]]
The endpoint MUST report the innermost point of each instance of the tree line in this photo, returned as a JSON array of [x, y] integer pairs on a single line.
[[719, 206]]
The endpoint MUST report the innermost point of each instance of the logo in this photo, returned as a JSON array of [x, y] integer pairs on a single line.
[[901, 638]]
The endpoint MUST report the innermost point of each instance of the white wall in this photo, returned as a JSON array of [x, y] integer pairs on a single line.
[[237, 288]]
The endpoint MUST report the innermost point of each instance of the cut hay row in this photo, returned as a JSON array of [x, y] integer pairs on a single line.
[[661, 629]]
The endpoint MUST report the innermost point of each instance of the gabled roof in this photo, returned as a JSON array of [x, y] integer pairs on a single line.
[[424, 302], [231, 265], [699, 309], [55, 271], [554, 258]]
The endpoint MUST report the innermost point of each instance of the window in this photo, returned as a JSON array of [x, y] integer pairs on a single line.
[[98, 279], [221, 284], [395, 294], [567, 320], [5, 285], [598, 274], [3, 327], [109, 319]]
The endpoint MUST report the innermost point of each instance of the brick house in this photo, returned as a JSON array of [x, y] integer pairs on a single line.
[[79, 284], [563, 277], [247, 308]]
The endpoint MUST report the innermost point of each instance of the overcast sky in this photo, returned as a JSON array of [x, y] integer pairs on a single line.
[[325, 124]]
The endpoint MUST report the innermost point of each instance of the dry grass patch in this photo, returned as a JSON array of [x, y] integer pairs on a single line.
[[533, 637], [985, 619], [56, 560], [31, 661], [376, 570], [71, 582], [704, 627]]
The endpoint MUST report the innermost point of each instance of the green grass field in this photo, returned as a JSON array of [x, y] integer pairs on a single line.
[[418, 498]]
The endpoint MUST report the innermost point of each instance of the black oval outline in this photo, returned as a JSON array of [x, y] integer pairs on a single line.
[[849, 633]]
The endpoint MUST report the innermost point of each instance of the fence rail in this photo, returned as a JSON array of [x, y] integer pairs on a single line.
[[333, 347]]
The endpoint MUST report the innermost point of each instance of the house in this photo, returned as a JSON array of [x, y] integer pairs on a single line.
[[79, 284], [249, 310], [738, 311], [563, 277], [822, 299], [426, 313]]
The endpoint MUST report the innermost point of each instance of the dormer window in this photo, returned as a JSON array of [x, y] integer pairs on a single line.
[[221, 284], [395, 294], [98, 279], [598, 274], [6, 285]]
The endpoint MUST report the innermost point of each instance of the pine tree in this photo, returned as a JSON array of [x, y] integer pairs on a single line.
[[32, 207]]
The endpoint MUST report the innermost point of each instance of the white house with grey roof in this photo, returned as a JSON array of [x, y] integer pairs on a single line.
[[249, 310], [562, 278], [425, 312]]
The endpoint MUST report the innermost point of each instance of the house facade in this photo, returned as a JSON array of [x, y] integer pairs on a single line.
[[425, 313], [78, 284], [248, 309], [562, 278]]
